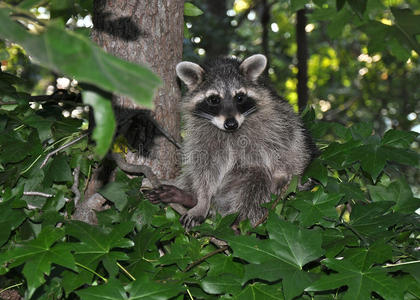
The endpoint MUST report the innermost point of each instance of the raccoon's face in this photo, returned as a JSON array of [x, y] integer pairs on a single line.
[[219, 95]]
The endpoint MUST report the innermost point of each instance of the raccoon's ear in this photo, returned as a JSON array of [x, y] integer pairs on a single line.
[[253, 66], [190, 73]]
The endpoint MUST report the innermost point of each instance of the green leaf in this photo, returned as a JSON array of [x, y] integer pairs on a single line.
[[340, 4], [359, 6], [295, 5], [144, 288], [318, 171], [58, 171], [191, 10], [116, 192], [14, 149], [98, 242], [76, 56], [282, 256], [39, 254], [315, 206], [373, 219], [360, 283], [113, 289], [225, 283], [407, 24], [104, 121], [10, 219], [260, 291], [398, 138], [371, 157]]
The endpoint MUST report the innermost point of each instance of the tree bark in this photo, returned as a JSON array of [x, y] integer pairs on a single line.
[[302, 58], [150, 33]]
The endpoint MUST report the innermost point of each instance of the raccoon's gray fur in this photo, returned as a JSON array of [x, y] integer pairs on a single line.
[[235, 156]]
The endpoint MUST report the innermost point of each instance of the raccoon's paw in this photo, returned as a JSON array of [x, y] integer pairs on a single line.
[[191, 219], [170, 194]]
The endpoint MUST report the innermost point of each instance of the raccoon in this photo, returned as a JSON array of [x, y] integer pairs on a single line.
[[242, 141]]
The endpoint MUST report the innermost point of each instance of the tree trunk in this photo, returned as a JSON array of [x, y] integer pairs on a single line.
[[302, 58], [149, 33]]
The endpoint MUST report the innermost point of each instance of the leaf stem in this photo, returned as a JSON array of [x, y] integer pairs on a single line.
[[401, 264], [192, 265], [11, 287], [126, 272], [189, 293], [92, 271]]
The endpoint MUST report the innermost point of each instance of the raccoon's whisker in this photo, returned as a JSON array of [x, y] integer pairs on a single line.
[[203, 115], [250, 111]]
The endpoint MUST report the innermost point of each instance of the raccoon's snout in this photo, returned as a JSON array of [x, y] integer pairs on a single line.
[[231, 124]]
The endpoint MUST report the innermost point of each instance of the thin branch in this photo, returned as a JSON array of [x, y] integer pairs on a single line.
[[52, 153], [75, 186], [41, 194], [197, 262], [262, 220], [8, 102]]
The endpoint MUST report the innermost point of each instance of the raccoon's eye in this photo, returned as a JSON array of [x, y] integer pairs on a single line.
[[213, 100], [240, 98]]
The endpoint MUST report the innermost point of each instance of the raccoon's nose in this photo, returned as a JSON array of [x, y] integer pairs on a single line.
[[231, 124]]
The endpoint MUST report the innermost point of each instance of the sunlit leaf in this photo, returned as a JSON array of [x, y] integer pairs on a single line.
[[104, 121], [74, 55]]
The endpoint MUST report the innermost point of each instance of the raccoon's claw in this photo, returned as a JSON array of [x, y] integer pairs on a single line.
[[170, 194], [189, 221]]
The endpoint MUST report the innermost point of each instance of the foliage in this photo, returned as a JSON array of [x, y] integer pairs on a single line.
[[355, 235]]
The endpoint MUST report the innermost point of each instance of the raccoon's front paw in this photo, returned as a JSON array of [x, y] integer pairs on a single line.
[[191, 219], [170, 194]]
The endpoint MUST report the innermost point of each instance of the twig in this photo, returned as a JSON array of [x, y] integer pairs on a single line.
[[262, 220], [192, 265], [401, 264], [41, 194], [52, 153], [75, 186], [8, 103]]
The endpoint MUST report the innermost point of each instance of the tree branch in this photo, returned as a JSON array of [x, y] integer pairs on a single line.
[[49, 155]]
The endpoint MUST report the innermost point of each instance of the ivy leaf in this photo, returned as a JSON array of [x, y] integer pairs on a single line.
[[361, 283], [190, 10], [282, 256], [76, 56], [104, 121], [314, 206], [39, 254]]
